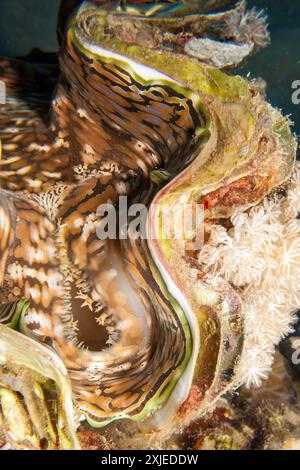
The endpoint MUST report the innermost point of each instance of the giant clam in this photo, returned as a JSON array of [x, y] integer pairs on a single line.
[[143, 334]]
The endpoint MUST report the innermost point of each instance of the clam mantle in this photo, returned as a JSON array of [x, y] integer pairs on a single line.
[[141, 332]]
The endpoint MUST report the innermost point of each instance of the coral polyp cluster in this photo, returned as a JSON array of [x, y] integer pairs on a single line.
[[247, 26], [259, 255], [151, 331]]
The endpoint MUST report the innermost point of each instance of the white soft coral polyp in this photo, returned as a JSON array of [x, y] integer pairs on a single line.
[[260, 257]]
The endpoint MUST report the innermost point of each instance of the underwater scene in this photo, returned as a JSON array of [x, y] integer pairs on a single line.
[[149, 225]]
